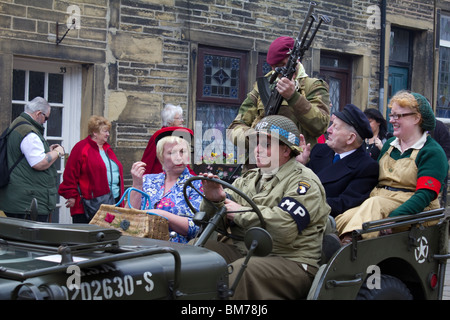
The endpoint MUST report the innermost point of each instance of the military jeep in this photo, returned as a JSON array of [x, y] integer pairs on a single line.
[[406, 264], [408, 261], [45, 261]]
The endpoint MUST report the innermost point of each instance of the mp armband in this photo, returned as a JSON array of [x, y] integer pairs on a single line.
[[297, 211]]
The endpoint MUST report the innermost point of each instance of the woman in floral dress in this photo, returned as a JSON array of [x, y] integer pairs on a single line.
[[166, 189]]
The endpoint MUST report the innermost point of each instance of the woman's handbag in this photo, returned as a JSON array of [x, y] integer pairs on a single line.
[[131, 221], [91, 206]]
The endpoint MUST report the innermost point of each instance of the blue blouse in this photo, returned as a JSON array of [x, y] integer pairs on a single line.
[[115, 175], [173, 201]]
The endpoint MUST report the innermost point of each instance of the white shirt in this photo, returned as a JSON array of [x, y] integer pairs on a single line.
[[418, 145], [344, 154], [33, 149]]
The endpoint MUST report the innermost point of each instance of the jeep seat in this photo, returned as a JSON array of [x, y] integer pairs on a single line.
[[330, 242]]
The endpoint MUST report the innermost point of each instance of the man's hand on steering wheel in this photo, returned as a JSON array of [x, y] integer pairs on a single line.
[[212, 190], [215, 192], [232, 207]]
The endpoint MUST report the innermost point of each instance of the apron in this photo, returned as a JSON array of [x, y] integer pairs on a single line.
[[400, 174]]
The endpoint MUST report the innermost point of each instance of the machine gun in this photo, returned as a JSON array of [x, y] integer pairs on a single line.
[[301, 45]]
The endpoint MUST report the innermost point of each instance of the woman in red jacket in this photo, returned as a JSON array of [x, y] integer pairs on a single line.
[[92, 168]]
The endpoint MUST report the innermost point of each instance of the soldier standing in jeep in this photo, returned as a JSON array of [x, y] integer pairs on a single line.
[[306, 100]]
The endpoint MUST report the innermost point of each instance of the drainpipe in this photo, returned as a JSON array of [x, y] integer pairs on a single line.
[[382, 55], [437, 37]]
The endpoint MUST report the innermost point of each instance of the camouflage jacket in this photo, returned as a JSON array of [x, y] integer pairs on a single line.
[[309, 108]]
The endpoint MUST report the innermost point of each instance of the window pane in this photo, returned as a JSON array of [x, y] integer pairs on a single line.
[[266, 68], [445, 28], [18, 85], [54, 123], [335, 94], [17, 109], [214, 119], [334, 62], [55, 87], [263, 66], [221, 88], [399, 45], [37, 82], [443, 101], [221, 77]]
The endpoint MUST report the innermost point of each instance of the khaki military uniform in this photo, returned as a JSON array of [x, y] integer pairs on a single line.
[[294, 207], [308, 108]]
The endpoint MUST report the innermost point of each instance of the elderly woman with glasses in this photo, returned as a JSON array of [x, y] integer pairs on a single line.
[[413, 167], [171, 119]]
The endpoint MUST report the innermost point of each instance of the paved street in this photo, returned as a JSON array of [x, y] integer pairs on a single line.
[[446, 293]]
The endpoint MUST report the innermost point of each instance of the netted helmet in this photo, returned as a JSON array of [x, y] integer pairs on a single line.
[[281, 128]]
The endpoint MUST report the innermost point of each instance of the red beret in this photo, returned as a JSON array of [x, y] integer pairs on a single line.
[[279, 49]]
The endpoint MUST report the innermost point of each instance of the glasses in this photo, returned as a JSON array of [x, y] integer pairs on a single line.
[[46, 117], [400, 115]]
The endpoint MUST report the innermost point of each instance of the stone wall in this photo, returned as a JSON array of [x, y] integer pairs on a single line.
[[140, 55]]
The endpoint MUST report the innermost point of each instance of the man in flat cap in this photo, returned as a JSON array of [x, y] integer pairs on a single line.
[[346, 170], [306, 100]]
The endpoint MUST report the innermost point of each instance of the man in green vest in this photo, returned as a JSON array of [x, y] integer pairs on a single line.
[[35, 175]]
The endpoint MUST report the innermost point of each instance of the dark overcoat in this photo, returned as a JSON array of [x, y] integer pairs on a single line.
[[347, 182]]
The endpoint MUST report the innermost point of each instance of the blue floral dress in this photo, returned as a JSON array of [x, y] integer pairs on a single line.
[[173, 201]]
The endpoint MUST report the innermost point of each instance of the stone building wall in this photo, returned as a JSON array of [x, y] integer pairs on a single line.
[[138, 55]]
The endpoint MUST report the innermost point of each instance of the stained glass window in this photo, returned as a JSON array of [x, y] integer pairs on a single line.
[[221, 78], [221, 88], [335, 94]]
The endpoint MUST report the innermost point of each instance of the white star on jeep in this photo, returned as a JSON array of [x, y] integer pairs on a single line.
[[421, 251]]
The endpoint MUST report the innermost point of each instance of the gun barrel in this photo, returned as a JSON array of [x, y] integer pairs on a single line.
[[312, 4], [315, 31]]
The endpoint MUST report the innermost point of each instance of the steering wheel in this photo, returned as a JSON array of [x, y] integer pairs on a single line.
[[221, 212]]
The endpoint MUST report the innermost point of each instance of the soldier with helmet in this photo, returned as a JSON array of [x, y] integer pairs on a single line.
[[293, 203]]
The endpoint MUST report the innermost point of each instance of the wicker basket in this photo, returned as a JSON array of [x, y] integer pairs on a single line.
[[131, 221]]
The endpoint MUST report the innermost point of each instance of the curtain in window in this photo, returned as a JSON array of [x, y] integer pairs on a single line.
[[213, 120]]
